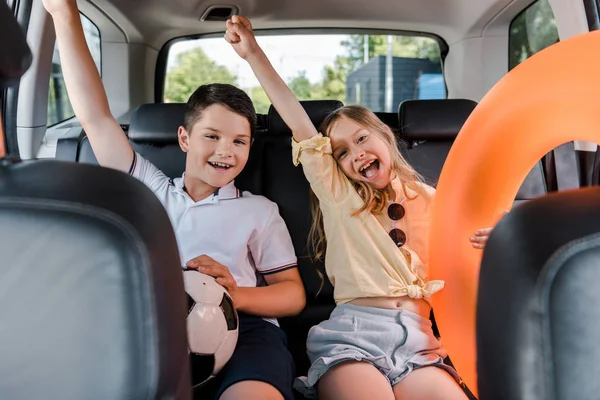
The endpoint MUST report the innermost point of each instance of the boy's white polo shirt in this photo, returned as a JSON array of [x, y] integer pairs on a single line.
[[242, 231]]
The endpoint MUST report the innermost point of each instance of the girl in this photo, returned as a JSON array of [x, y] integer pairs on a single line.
[[378, 342]]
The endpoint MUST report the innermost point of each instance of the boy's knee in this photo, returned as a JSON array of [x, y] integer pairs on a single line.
[[251, 390]]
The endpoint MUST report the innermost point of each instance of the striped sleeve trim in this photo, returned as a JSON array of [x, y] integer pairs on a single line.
[[133, 164], [279, 269]]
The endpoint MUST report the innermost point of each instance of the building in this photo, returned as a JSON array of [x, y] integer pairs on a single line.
[[413, 78]]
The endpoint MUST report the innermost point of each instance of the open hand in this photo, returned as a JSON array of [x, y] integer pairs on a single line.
[[479, 240], [208, 266], [241, 37]]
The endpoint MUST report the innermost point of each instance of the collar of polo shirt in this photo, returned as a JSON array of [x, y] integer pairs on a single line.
[[226, 192]]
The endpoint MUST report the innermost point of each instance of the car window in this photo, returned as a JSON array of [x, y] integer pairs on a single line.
[[376, 71], [532, 30]]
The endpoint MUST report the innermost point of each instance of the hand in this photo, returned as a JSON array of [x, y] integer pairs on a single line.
[[54, 6], [221, 273], [482, 235], [241, 37]]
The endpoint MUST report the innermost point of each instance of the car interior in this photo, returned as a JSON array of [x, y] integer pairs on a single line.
[[63, 217]]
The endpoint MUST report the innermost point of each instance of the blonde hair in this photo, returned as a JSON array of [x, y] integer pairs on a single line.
[[374, 200]]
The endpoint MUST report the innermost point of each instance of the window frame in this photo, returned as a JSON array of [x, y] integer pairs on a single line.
[[10, 97]]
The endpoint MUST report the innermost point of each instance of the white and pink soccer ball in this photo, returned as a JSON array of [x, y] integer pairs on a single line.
[[212, 326]]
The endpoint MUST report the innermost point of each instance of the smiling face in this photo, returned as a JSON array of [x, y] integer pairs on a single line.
[[361, 153], [217, 146]]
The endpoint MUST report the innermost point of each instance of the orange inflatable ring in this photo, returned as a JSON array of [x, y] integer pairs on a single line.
[[550, 99]]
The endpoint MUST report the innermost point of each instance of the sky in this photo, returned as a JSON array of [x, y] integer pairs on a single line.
[[288, 54]]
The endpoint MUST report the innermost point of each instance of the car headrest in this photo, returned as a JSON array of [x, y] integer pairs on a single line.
[[433, 119], [15, 56], [105, 317], [317, 111], [538, 307], [156, 123]]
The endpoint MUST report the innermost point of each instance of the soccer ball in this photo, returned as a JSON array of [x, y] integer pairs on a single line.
[[212, 326]]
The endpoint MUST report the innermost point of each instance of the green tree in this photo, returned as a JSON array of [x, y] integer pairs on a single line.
[[334, 78], [303, 89], [260, 99], [416, 47], [194, 68], [301, 86]]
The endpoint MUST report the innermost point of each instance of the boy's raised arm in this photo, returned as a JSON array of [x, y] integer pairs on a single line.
[[240, 36], [85, 89]]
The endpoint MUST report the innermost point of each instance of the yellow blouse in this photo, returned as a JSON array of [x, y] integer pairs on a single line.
[[361, 259]]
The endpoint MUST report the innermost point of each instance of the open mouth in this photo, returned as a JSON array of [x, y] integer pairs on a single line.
[[370, 169], [220, 166]]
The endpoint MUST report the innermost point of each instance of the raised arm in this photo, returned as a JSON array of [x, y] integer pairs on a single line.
[[240, 36], [85, 89]]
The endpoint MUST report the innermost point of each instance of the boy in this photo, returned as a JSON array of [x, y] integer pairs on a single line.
[[223, 233]]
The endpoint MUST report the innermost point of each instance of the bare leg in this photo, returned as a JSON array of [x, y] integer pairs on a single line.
[[251, 390], [354, 380], [428, 383]]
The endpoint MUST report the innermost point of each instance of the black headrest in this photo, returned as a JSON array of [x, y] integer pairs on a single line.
[[15, 56], [538, 305], [91, 271], [317, 111], [156, 122], [433, 119]]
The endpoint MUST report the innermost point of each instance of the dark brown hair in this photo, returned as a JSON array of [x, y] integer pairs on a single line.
[[223, 94]]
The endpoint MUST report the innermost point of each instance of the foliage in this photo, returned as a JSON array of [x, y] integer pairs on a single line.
[[194, 68]]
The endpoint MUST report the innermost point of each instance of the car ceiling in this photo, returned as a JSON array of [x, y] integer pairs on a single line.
[[153, 22]]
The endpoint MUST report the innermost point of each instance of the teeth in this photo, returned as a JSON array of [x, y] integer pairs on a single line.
[[220, 164], [366, 166]]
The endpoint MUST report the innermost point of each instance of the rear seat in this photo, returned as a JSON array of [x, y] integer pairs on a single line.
[[429, 128], [562, 168], [152, 133], [270, 172]]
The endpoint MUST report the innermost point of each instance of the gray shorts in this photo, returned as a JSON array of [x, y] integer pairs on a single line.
[[394, 341]]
